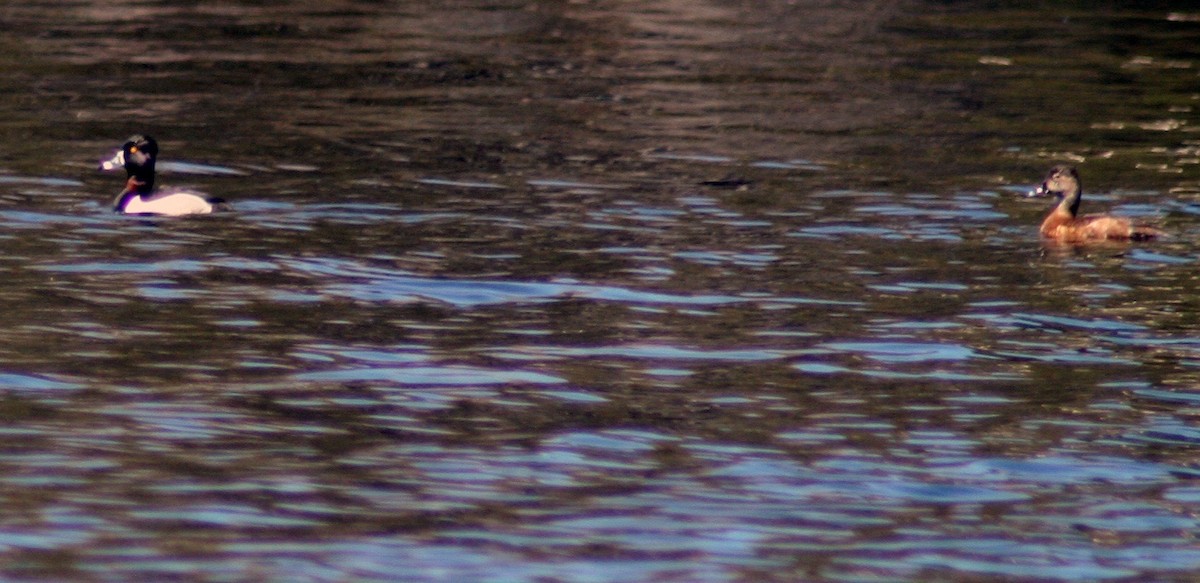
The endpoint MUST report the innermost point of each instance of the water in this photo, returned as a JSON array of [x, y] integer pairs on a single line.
[[596, 292]]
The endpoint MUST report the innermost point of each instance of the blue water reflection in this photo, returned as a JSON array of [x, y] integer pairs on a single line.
[[666, 291]]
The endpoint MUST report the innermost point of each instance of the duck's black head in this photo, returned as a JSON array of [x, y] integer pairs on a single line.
[[1062, 181], [137, 156]]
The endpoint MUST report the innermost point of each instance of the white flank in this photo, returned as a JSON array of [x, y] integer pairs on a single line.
[[170, 204]]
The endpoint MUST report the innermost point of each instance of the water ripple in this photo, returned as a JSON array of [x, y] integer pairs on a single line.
[[382, 285], [904, 351], [431, 376], [642, 351]]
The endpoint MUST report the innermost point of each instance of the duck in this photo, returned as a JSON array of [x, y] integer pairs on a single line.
[[137, 156], [1064, 224]]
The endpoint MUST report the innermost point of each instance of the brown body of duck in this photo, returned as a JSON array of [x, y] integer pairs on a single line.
[[1064, 223]]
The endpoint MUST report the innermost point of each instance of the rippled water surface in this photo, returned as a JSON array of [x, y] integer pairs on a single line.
[[599, 291]]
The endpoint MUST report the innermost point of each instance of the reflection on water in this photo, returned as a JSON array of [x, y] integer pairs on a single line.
[[587, 292]]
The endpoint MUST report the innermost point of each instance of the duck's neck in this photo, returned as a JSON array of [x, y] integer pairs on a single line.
[[141, 179], [139, 185], [135, 186], [1070, 202]]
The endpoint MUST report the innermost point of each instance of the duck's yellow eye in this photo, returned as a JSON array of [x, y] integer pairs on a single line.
[[132, 149]]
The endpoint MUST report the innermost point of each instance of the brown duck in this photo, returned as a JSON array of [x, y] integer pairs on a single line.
[[1064, 224]]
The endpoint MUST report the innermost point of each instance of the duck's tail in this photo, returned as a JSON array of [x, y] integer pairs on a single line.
[[219, 204]]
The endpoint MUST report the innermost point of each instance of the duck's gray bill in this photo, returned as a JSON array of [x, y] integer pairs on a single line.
[[117, 161]]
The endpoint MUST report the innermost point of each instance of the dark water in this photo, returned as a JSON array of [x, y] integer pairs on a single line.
[[595, 291]]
